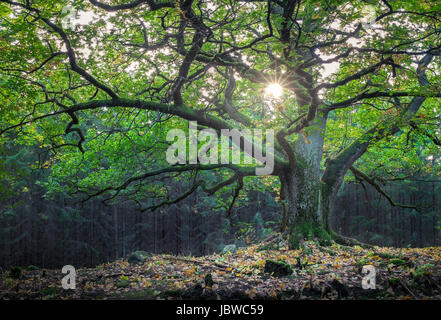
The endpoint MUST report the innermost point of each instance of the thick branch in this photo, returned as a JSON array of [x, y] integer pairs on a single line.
[[362, 176], [243, 171], [70, 52], [152, 4], [336, 168]]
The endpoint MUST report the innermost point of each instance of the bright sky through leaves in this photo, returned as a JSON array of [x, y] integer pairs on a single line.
[[274, 90]]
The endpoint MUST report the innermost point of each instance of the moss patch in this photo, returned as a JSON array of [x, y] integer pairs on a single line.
[[398, 262], [123, 283], [50, 291], [31, 268], [308, 231], [277, 268]]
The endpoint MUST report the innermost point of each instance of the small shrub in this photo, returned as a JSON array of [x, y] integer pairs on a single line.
[[31, 268], [15, 273]]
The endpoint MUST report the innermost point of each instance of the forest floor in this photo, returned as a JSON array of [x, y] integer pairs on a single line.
[[313, 272]]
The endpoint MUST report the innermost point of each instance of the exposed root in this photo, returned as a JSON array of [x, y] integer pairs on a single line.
[[319, 238], [346, 241]]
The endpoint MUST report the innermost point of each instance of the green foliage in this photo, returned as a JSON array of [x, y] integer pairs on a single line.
[[123, 283], [15, 273], [398, 262], [31, 268], [50, 291], [424, 270], [122, 144]]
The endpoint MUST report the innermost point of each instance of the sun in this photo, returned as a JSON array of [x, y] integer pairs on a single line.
[[274, 89]]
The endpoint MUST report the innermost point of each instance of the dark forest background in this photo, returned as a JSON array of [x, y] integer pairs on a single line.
[[50, 233]]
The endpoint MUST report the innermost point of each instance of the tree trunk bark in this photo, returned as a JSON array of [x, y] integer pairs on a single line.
[[303, 215]]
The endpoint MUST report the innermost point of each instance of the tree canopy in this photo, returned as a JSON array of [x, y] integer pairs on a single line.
[[351, 89]]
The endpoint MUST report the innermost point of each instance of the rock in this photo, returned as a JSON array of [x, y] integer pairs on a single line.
[[138, 256], [229, 248], [277, 268]]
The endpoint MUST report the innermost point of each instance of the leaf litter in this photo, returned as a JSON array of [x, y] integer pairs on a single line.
[[332, 272]]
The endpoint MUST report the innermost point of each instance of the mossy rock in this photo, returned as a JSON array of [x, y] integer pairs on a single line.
[[277, 268], [138, 257], [229, 248]]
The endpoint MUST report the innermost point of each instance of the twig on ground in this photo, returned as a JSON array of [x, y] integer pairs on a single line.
[[407, 289], [202, 263]]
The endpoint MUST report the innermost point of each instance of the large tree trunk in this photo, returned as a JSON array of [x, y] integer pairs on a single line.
[[303, 215]]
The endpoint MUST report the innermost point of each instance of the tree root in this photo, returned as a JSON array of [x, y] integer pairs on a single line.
[[336, 238], [201, 263], [274, 238], [346, 241]]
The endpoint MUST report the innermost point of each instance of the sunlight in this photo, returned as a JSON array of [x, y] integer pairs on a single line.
[[275, 90]]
